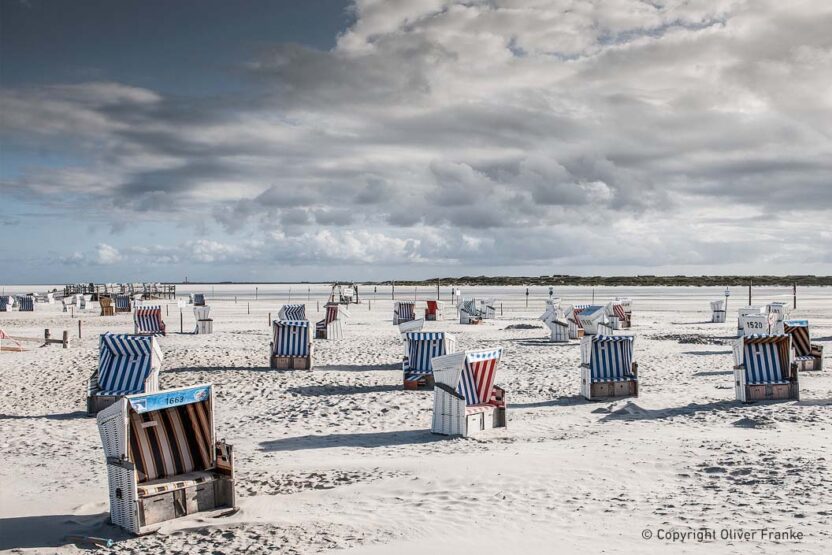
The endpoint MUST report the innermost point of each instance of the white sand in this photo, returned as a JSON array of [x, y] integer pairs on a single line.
[[341, 457]]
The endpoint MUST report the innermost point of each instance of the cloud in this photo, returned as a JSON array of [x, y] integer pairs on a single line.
[[586, 133]]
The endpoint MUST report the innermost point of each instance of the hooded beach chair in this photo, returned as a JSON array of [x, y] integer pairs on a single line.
[[486, 308], [422, 347], [407, 327], [204, 323], [469, 312], [434, 310], [627, 304], [571, 312], [780, 311], [147, 320], [127, 364], [291, 346], [616, 317], [558, 327], [807, 356], [107, 306], [552, 306], [465, 399], [593, 320], [607, 367], [199, 299], [403, 311], [25, 303], [163, 459], [7, 303], [331, 327], [294, 312], [122, 303], [718, 312], [763, 369]]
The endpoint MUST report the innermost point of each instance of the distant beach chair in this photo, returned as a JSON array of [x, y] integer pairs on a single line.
[[127, 364], [486, 308], [293, 312], [107, 307], [122, 303], [616, 317], [807, 356], [718, 312], [627, 304], [607, 367], [291, 347], [754, 324], [204, 323], [465, 399], [147, 320], [25, 303], [434, 310], [403, 311], [552, 307], [558, 328], [422, 347], [46, 298], [6, 303], [163, 459], [571, 312], [592, 318], [330, 327], [469, 312], [763, 369], [745, 311], [199, 299]]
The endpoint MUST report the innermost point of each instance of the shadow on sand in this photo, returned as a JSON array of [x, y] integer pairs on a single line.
[[49, 531], [359, 367], [367, 440], [335, 389], [631, 411], [707, 353], [59, 416], [221, 369], [559, 402], [539, 342]]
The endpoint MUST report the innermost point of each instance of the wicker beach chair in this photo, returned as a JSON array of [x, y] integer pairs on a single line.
[[593, 320], [718, 311], [607, 367], [469, 312], [199, 299], [571, 312], [127, 364], [25, 303], [807, 355], [331, 326], [147, 320], [163, 459], [122, 303], [434, 310], [291, 347], [204, 323], [616, 317], [107, 306], [764, 370], [403, 311], [422, 348]]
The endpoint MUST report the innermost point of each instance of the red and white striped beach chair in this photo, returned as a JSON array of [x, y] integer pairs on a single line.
[[330, 327], [571, 312], [465, 399]]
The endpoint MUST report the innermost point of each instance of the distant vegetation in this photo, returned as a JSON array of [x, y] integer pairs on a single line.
[[602, 281]]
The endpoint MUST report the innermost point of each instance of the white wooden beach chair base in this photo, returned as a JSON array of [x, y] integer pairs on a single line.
[[204, 326], [812, 364], [718, 317], [598, 391], [97, 403], [748, 393], [291, 363]]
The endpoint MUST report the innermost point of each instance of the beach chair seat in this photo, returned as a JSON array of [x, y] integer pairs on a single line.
[[807, 355], [147, 320], [163, 459], [127, 364], [330, 327], [486, 308], [616, 317], [764, 369], [25, 303], [403, 311], [107, 307], [607, 367], [422, 348], [291, 346], [122, 303], [6, 303], [465, 399], [199, 299], [294, 312], [469, 312]]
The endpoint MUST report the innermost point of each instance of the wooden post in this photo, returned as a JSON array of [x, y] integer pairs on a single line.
[[256, 292], [167, 310], [79, 328], [181, 322], [414, 292], [437, 289], [72, 311], [65, 339], [393, 290], [749, 292], [369, 304], [235, 299], [248, 308], [317, 306], [46, 336], [527, 297], [501, 309], [270, 319], [794, 294]]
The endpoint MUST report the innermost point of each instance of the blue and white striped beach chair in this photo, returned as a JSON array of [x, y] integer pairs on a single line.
[[403, 311], [6, 303], [422, 347], [295, 312], [199, 299], [291, 347], [607, 367], [147, 320], [122, 303], [25, 303], [763, 368], [127, 364]]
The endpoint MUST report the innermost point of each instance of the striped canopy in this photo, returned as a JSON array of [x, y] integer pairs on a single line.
[[199, 299], [122, 302], [470, 307], [424, 346], [765, 357], [799, 332], [26, 303], [291, 338], [331, 312], [5, 303], [577, 309], [125, 362], [294, 312], [618, 311], [405, 310], [477, 379], [148, 320], [611, 358]]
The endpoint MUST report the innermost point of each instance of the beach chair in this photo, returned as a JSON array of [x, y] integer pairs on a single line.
[[127, 364], [204, 324], [163, 458], [571, 312], [627, 304], [745, 311], [754, 324], [465, 399], [7, 303], [199, 299], [107, 306], [807, 356], [552, 308], [147, 320], [486, 308], [25, 303], [718, 312], [607, 367], [295, 312], [122, 303], [591, 318], [403, 311], [291, 347], [764, 370], [330, 327], [469, 312], [434, 310], [780, 310], [616, 318], [407, 327], [422, 347], [558, 328]]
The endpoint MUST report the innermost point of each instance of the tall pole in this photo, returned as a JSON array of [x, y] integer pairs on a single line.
[[794, 294], [749, 291], [393, 291]]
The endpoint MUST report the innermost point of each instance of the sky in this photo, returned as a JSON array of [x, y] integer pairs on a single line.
[[147, 140]]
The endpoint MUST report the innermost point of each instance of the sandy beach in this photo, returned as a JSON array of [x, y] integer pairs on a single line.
[[342, 458]]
